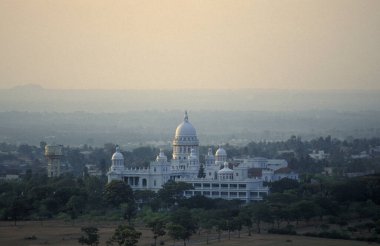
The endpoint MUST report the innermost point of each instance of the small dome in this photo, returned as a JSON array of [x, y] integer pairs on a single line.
[[221, 152], [161, 155], [185, 128], [117, 155], [226, 169]]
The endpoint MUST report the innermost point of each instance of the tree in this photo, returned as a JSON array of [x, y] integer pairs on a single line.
[[75, 206], [125, 235], [306, 209], [43, 212], [172, 192], [90, 237], [94, 187], [128, 210], [219, 227], [17, 209], [246, 217], [198, 201], [283, 184], [182, 225], [120, 195], [145, 197], [103, 166], [201, 172], [118, 192], [177, 232], [236, 224], [206, 222], [261, 212], [157, 222], [279, 205], [350, 190]]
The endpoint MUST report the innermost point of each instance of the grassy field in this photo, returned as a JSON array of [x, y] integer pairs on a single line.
[[67, 233]]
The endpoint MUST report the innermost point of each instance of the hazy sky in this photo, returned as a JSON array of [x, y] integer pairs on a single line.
[[281, 44]]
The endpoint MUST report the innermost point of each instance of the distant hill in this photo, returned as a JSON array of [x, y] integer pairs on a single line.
[[27, 87]]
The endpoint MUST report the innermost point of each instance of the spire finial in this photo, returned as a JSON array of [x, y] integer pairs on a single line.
[[186, 118]]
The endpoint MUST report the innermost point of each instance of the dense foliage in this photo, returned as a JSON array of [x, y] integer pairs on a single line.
[[339, 201]]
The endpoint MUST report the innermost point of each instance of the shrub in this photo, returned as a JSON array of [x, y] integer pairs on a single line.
[[352, 229], [285, 231], [328, 234], [324, 227], [90, 236], [369, 239], [30, 237]]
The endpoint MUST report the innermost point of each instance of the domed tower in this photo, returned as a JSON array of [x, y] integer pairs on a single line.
[[193, 158], [117, 161], [185, 140], [220, 157], [209, 158], [117, 168], [161, 158], [226, 173]]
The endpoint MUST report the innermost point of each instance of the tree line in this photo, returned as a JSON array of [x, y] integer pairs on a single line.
[[295, 150], [351, 204]]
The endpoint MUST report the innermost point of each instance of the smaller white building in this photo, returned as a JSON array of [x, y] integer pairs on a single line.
[[361, 155], [93, 170], [319, 155], [10, 177]]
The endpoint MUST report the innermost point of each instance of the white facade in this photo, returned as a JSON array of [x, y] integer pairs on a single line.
[[319, 155], [220, 181], [261, 162], [268, 170]]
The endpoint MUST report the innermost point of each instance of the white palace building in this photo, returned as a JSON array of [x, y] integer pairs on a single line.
[[243, 181]]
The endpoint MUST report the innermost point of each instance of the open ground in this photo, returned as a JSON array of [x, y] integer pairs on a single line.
[[67, 233]]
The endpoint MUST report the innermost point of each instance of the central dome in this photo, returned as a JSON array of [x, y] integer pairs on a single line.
[[185, 129], [185, 140]]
